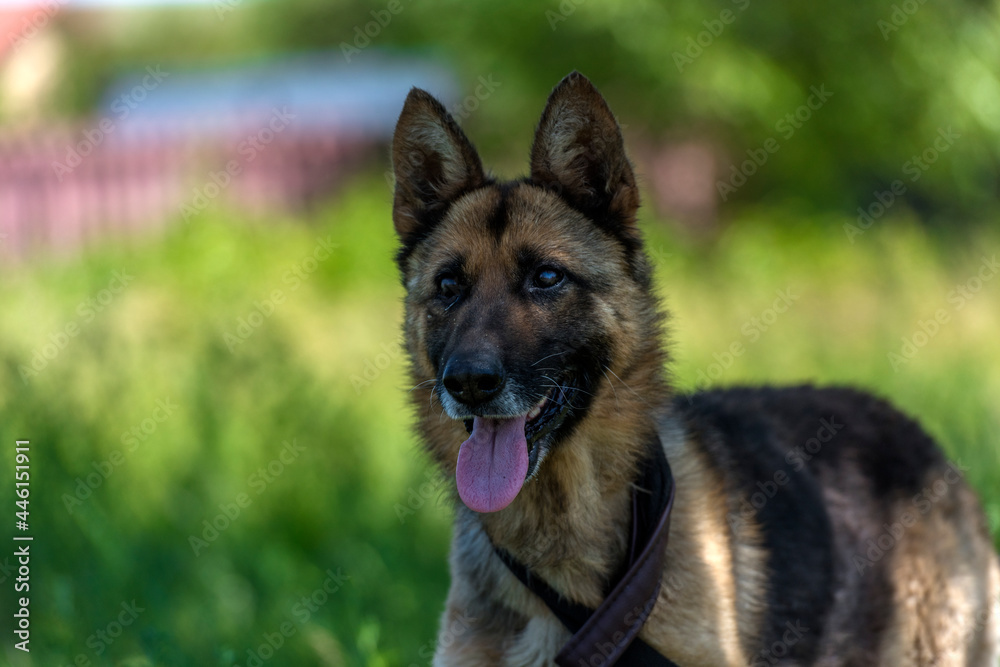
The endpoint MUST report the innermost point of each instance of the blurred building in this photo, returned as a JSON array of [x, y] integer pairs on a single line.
[[165, 145]]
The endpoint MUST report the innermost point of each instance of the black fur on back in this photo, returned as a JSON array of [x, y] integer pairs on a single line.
[[750, 434]]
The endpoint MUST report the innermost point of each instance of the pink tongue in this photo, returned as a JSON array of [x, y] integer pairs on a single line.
[[492, 464]]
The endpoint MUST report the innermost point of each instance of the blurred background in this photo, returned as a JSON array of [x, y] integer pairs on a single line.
[[199, 313]]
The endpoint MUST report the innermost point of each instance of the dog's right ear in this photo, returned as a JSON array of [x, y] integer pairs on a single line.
[[433, 162]]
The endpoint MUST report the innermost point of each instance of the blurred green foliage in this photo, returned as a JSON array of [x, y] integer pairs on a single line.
[[319, 368], [322, 370], [727, 72]]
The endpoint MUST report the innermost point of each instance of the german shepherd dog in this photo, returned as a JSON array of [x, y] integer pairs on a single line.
[[810, 526]]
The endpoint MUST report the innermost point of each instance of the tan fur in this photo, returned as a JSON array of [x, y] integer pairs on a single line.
[[592, 480], [570, 523], [702, 617], [568, 131], [698, 619], [942, 604]]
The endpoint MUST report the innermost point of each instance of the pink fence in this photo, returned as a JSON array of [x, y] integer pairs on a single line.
[[61, 188]]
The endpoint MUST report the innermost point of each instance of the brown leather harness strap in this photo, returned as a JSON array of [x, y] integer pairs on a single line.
[[609, 634]]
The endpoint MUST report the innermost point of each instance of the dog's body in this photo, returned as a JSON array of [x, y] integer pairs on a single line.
[[810, 526]]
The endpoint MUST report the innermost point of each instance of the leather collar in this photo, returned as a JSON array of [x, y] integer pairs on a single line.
[[608, 635]]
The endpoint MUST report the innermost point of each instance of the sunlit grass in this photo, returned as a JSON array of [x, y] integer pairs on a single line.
[[321, 369]]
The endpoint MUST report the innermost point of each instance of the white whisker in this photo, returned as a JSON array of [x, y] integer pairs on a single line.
[[421, 384], [637, 394], [554, 354], [612, 385]]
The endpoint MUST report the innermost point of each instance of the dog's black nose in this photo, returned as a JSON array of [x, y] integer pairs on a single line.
[[473, 380]]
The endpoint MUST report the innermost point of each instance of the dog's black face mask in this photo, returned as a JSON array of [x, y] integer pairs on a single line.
[[514, 288], [512, 363]]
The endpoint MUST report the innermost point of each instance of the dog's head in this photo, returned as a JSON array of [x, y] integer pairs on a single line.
[[521, 296]]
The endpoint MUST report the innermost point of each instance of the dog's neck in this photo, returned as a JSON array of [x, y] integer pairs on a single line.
[[571, 524]]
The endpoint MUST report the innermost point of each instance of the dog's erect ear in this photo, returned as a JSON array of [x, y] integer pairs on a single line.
[[579, 152], [433, 162]]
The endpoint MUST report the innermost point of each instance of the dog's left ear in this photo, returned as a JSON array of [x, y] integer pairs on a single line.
[[578, 151], [433, 162]]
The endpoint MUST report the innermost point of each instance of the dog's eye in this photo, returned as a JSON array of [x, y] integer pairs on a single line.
[[448, 287], [547, 277]]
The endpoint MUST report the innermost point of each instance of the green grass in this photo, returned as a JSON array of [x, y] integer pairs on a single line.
[[322, 370]]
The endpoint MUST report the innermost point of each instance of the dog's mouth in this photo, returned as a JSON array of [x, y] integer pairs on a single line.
[[503, 452]]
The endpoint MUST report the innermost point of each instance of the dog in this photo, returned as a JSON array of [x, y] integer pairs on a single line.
[[807, 526]]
